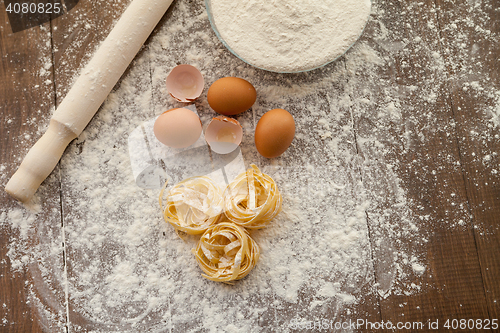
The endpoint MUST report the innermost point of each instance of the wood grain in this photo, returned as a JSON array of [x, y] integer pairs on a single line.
[[477, 138], [76, 37], [27, 92], [433, 165], [424, 145]]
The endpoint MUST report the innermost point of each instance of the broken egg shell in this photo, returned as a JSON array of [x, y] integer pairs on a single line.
[[185, 83], [223, 134]]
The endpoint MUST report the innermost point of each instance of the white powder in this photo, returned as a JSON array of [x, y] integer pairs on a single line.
[[290, 35], [127, 271], [418, 268]]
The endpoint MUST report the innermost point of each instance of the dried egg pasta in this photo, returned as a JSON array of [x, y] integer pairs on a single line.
[[252, 200], [193, 205], [226, 252]]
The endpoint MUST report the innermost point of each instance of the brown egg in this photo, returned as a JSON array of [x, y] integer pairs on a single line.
[[177, 128], [274, 133], [231, 95]]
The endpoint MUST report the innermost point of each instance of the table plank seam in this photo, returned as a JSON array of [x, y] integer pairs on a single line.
[[449, 94]]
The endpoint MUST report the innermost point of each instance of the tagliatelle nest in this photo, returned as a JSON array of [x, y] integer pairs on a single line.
[[252, 200], [226, 252], [193, 205]]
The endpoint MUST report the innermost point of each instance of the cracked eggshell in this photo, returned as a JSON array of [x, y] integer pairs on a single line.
[[185, 83], [177, 128], [223, 134]]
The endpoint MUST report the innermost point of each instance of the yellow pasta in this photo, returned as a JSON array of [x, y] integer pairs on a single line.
[[252, 200], [226, 252], [193, 205]]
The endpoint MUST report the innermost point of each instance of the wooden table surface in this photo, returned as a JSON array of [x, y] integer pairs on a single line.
[[441, 58]]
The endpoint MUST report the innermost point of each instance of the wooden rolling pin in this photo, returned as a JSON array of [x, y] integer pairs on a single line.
[[87, 94]]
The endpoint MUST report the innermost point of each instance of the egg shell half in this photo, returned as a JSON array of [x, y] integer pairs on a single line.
[[177, 128], [185, 83], [223, 134], [274, 133], [231, 95]]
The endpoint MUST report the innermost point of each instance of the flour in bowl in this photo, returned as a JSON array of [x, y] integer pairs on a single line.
[[290, 35]]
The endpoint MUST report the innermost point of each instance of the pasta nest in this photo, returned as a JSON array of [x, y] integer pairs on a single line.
[[252, 200], [193, 205], [226, 252]]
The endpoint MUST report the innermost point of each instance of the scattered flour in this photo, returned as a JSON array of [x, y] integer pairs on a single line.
[[348, 234], [418, 268]]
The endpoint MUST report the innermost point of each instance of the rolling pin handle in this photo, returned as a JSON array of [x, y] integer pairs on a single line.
[[40, 161]]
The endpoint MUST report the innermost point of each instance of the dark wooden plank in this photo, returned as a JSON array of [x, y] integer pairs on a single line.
[[32, 301], [80, 259], [470, 35], [321, 155], [77, 35], [331, 176], [76, 38], [406, 123], [408, 95]]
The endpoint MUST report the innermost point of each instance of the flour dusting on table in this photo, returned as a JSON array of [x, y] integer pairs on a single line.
[[347, 236]]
